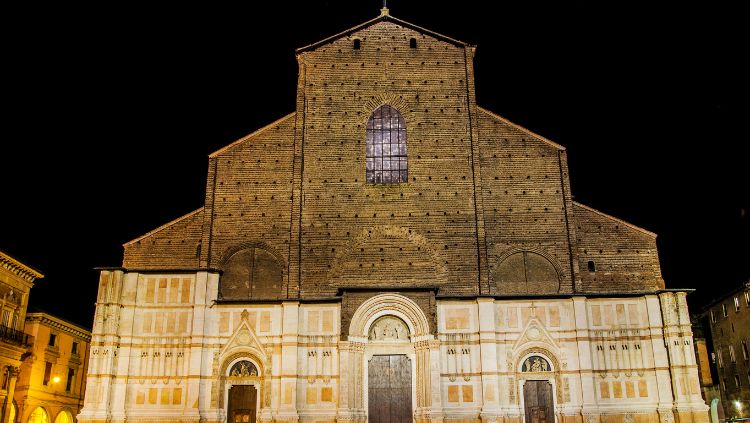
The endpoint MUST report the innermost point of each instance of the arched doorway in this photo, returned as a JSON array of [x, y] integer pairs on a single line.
[[389, 372], [243, 402], [39, 415], [538, 387], [64, 416], [389, 335]]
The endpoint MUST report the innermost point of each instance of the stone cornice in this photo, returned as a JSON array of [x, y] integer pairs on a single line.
[[19, 269], [59, 324]]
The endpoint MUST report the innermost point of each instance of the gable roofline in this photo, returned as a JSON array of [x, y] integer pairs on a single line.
[[630, 225], [521, 128], [250, 135], [384, 17], [162, 227]]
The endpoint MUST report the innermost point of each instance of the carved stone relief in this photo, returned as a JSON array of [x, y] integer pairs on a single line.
[[389, 328], [535, 363], [243, 368]]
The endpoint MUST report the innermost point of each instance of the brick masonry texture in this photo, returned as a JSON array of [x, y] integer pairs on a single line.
[[175, 245], [624, 255], [479, 189]]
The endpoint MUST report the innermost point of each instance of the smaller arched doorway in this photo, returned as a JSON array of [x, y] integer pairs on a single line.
[[389, 371], [242, 396], [537, 384]]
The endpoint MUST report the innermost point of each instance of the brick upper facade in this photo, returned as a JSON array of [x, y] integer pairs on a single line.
[[487, 203]]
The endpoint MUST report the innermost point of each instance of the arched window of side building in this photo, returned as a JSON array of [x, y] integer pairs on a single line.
[[386, 147]]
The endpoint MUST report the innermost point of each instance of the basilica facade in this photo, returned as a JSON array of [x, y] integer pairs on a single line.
[[391, 252]]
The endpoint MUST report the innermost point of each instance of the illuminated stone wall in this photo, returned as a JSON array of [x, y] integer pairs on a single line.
[[163, 346]]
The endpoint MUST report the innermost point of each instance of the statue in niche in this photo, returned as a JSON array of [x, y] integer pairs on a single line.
[[243, 368], [389, 328], [535, 363]]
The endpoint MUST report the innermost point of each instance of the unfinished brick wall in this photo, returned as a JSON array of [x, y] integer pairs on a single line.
[[175, 245], [480, 189], [624, 256], [420, 233], [248, 196], [523, 190]]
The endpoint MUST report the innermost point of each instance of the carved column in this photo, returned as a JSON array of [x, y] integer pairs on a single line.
[[424, 399], [289, 345], [345, 383], [488, 360], [357, 357], [436, 399], [12, 378], [660, 338], [105, 343], [587, 399]]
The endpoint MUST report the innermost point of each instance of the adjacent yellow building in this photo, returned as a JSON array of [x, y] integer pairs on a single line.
[[16, 280], [52, 380]]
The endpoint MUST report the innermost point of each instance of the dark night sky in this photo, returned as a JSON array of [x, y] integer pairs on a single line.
[[111, 110]]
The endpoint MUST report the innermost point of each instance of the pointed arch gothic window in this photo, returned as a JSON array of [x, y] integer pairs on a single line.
[[386, 147]]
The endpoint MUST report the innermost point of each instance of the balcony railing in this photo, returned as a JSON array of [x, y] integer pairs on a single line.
[[13, 336]]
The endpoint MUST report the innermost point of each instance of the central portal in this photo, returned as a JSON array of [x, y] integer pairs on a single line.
[[389, 392]]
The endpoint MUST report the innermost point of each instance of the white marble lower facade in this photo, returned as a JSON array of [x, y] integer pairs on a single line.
[[163, 349]]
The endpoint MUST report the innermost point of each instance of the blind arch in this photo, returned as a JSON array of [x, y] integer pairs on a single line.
[[251, 273]]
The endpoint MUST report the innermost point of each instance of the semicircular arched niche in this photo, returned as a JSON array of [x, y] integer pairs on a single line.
[[251, 273], [526, 272], [389, 328], [403, 308]]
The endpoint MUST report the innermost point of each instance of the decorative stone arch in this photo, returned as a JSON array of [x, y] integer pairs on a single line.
[[389, 304], [393, 100], [543, 352], [250, 354]]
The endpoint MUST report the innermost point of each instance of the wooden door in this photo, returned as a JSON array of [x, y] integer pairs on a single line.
[[538, 401], [389, 391], [242, 404]]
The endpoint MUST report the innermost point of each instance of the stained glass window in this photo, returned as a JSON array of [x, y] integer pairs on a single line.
[[386, 147]]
